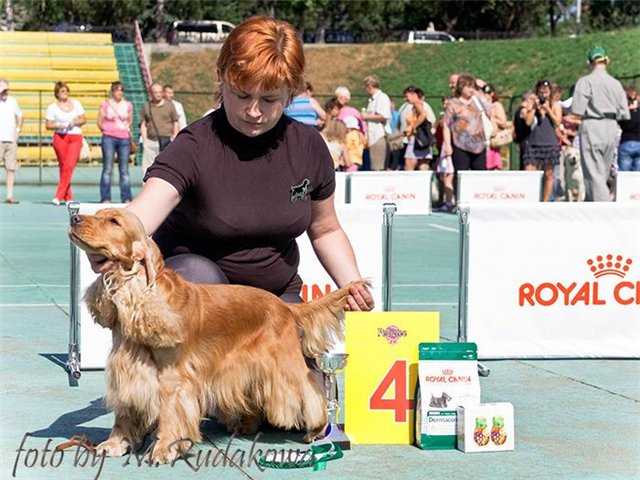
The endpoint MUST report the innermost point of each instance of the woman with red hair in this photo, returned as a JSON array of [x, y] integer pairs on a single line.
[[227, 198]]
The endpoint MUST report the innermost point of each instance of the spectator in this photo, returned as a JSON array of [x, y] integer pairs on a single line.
[[306, 109], [343, 95], [600, 100], [168, 94], [543, 148], [65, 116], [524, 121], [444, 168], [629, 150], [501, 128], [355, 143], [453, 80], [420, 114], [377, 117], [10, 124], [334, 133], [332, 108], [463, 131], [159, 126], [114, 121], [397, 140]]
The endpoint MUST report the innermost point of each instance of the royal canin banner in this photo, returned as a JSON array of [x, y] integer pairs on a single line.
[[554, 280], [628, 187], [499, 187], [410, 191]]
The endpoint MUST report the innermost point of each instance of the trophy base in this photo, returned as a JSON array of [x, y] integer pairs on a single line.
[[336, 436]]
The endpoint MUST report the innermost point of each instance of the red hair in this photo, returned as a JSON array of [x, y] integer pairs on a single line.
[[265, 53]]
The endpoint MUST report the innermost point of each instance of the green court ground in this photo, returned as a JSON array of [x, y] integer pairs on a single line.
[[575, 419]]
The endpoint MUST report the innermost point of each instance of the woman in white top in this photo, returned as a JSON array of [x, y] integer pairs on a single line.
[[65, 116]]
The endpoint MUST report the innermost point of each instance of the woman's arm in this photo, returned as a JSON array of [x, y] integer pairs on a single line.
[[318, 109], [499, 115], [99, 119], [152, 205], [80, 120], [335, 253]]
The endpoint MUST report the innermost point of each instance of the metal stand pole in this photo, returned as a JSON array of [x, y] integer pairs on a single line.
[[389, 210], [73, 360], [463, 215]]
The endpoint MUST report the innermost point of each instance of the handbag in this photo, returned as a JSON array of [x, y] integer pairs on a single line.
[[502, 137], [487, 126], [396, 141], [423, 136]]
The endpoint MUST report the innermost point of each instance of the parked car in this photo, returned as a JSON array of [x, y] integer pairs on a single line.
[[428, 36], [199, 31]]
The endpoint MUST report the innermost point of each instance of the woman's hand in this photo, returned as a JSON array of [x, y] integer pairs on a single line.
[[448, 150], [100, 263], [360, 299]]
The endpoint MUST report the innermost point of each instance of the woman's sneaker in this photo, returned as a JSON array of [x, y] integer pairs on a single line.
[[55, 201]]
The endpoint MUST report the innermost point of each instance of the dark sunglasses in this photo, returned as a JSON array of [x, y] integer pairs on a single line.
[[4, 92]]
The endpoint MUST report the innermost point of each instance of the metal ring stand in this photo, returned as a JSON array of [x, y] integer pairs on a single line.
[[463, 216], [389, 210], [73, 359]]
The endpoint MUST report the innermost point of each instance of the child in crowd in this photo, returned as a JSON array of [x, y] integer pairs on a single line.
[[355, 143]]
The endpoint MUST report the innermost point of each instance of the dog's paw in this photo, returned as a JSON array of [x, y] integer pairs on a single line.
[[163, 454], [112, 447]]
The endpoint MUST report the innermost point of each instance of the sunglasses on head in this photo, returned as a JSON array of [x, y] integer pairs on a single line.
[[4, 92]]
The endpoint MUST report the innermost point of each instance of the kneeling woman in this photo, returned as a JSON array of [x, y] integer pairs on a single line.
[[226, 200]]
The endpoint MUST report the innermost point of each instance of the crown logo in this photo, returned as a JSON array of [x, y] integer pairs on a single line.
[[447, 371], [609, 264]]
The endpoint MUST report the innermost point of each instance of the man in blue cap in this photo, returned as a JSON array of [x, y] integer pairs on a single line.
[[600, 100]]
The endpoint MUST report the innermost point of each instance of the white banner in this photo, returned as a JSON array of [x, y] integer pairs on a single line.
[[496, 186], [362, 225], [410, 191], [95, 341], [340, 195], [628, 187], [554, 280]]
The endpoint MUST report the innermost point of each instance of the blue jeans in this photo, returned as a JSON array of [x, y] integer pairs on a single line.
[[629, 156], [109, 147]]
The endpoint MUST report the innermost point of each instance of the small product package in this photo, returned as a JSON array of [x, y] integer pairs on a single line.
[[447, 378], [487, 427]]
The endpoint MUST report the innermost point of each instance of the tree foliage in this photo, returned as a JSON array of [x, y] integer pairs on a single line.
[[368, 20]]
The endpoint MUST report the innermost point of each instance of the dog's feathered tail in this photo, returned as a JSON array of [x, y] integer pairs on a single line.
[[321, 320]]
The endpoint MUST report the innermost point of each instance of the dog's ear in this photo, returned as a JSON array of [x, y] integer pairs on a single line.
[[142, 251]]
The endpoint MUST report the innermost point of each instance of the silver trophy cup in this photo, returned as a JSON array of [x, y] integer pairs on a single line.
[[330, 364]]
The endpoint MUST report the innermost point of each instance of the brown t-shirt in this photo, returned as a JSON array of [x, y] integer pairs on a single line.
[[163, 116], [244, 200]]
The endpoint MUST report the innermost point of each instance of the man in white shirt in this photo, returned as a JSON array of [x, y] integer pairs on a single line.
[[10, 125], [377, 116], [168, 95]]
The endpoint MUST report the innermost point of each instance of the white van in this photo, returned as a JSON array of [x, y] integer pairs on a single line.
[[200, 31], [429, 36]]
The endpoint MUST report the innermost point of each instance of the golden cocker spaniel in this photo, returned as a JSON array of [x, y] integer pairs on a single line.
[[183, 351]]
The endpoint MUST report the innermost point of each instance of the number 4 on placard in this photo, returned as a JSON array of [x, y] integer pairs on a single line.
[[399, 403]]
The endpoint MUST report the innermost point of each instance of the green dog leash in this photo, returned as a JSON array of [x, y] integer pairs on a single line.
[[316, 457]]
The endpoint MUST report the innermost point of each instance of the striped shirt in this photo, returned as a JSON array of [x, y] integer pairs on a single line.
[[300, 109]]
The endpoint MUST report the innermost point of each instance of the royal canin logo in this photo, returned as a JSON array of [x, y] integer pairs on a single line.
[[625, 293], [447, 371], [392, 334]]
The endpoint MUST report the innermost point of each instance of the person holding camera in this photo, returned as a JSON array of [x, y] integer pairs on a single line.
[[542, 150]]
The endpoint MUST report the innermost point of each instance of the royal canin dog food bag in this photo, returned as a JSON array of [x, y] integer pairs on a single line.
[[447, 379]]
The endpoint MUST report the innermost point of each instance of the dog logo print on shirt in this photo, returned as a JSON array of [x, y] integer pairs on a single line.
[[300, 192]]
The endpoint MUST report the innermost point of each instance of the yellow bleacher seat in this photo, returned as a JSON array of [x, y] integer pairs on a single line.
[[57, 50], [76, 88], [84, 76], [32, 101], [34, 116], [57, 63], [56, 38], [32, 154], [90, 129]]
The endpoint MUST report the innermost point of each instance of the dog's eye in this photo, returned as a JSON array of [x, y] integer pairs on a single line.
[[114, 221]]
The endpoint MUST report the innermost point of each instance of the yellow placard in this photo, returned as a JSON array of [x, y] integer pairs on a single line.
[[381, 373]]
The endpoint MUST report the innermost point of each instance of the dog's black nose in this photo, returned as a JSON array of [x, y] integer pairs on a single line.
[[76, 219]]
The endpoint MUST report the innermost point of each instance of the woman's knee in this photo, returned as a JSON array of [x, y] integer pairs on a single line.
[[196, 268]]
